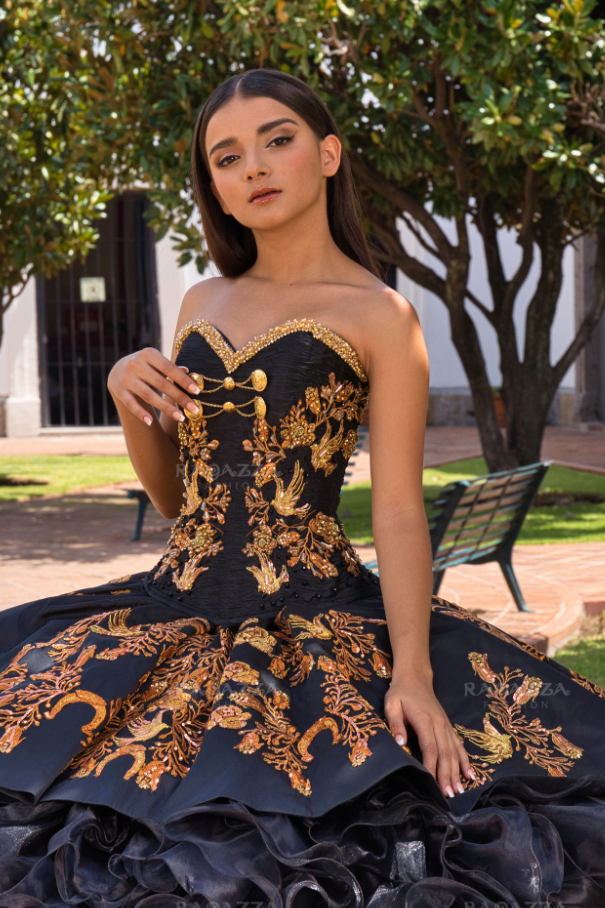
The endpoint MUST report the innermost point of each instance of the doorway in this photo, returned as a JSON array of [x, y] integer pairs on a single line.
[[86, 326]]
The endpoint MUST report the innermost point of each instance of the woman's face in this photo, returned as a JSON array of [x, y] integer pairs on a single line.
[[267, 165]]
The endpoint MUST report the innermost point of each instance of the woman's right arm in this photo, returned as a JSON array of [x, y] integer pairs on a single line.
[[136, 384]]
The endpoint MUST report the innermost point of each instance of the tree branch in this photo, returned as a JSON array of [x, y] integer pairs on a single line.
[[488, 313], [590, 320], [418, 235], [401, 201]]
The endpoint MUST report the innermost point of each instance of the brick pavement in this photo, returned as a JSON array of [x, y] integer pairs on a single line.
[[79, 540]]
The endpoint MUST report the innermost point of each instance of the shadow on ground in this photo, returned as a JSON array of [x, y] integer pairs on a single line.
[[82, 527]]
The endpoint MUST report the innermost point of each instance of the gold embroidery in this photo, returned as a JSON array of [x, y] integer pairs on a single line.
[[589, 685], [233, 358], [197, 539], [515, 726], [123, 579], [27, 697], [349, 717], [162, 724], [458, 611], [309, 540]]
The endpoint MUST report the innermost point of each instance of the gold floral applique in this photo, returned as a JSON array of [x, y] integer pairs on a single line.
[[457, 611], [27, 697], [347, 715], [514, 727], [310, 538], [161, 725], [199, 540]]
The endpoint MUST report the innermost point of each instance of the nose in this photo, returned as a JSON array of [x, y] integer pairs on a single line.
[[255, 168]]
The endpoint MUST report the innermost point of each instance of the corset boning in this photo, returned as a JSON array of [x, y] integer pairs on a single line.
[[258, 527]]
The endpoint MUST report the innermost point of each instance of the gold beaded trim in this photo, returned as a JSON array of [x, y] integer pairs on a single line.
[[233, 358]]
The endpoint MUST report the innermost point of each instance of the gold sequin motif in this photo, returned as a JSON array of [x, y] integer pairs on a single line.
[[513, 727], [199, 540], [310, 538]]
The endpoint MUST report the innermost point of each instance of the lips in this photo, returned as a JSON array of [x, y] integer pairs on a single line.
[[264, 195]]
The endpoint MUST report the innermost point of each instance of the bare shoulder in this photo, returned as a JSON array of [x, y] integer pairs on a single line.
[[198, 297], [391, 328]]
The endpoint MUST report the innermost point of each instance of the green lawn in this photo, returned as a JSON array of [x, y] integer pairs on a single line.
[[571, 521], [585, 654], [26, 477]]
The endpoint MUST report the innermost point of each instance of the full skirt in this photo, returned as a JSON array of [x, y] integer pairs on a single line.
[[154, 758]]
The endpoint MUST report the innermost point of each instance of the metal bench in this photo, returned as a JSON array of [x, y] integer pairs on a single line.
[[144, 499], [478, 520]]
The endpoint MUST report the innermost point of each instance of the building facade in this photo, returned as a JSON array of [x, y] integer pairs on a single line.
[[63, 335]]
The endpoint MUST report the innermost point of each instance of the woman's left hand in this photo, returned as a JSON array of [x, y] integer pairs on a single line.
[[412, 700]]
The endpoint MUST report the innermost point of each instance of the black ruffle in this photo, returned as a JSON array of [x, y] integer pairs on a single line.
[[523, 845]]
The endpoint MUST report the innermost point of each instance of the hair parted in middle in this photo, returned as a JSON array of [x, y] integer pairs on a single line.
[[231, 245]]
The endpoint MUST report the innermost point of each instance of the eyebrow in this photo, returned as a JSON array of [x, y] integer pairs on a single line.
[[266, 127]]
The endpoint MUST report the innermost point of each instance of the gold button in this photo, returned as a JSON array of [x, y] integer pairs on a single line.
[[198, 379], [229, 406], [229, 383], [260, 407], [259, 380], [195, 416]]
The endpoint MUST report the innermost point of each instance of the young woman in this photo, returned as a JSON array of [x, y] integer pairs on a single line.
[[259, 717]]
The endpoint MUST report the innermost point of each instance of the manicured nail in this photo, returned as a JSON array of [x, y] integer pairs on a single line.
[[193, 388], [178, 415], [193, 408], [450, 793], [185, 369], [471, 773], [459, 788], [148, 420], [399, 739]]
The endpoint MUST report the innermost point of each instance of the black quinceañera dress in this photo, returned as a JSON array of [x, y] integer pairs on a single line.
[[212, 731]]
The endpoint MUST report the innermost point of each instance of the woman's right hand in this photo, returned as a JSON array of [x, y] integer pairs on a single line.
[[137, 376]]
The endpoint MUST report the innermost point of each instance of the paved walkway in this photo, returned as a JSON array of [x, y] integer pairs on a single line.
[[583, 450], [60, 544]]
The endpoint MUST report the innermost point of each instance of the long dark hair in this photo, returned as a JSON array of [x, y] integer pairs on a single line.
[[232, 246]]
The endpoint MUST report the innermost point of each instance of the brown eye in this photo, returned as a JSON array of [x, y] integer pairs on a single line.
[[281, 139]]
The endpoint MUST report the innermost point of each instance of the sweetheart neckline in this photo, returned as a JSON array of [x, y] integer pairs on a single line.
[[233, 357]]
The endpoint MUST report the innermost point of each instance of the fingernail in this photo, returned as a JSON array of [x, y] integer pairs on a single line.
[[178, 415], [450, 793], [459, 788], [399, 739], [471, 773], [185, 369], [193, 388], [192, 408], [147, 420]]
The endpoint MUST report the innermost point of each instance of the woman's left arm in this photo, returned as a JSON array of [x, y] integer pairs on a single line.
[[399, 381]]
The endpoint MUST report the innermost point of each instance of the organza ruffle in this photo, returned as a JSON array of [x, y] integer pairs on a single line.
[[523, 845]]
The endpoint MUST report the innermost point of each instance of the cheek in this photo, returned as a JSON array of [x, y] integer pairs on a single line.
[[226, 184], [301, 168]]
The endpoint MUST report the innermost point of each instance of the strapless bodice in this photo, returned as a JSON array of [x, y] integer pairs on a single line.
[[263, 464]]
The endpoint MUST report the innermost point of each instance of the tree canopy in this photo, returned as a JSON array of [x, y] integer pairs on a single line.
[[483, 111], [51, 189]]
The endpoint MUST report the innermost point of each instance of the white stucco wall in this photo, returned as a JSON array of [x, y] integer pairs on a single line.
[[20, 409]]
